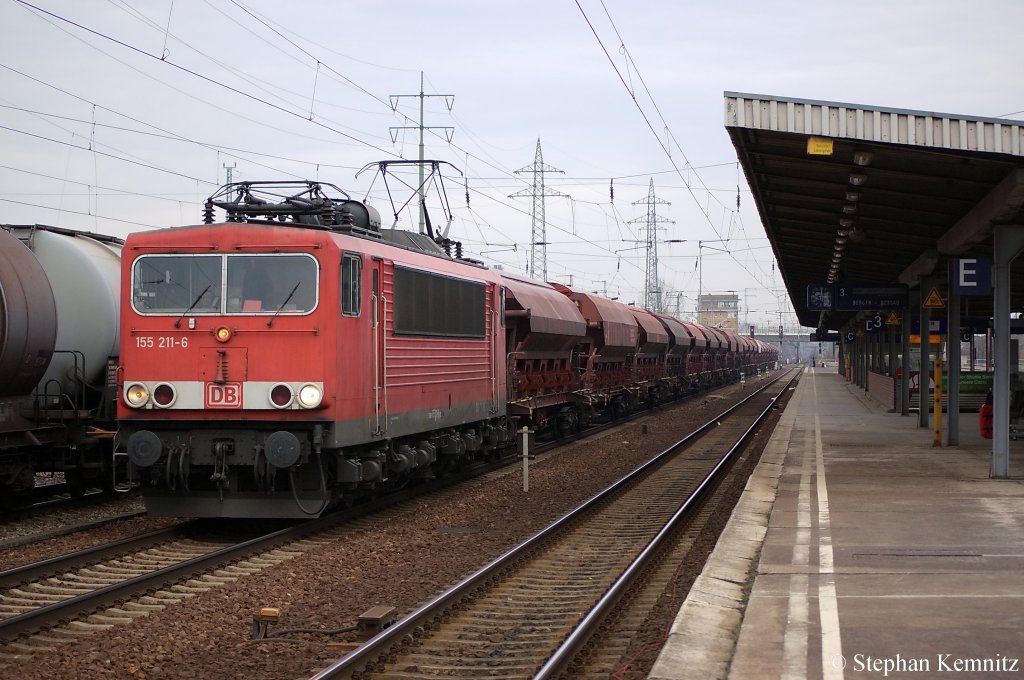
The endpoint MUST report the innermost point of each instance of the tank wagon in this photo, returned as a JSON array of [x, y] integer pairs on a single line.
[[59, 313], [297, 356]]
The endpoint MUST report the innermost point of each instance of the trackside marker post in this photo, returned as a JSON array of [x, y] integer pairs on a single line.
[[526, 458], [937, 440]]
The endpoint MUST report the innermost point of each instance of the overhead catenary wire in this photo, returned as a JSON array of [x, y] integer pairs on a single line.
[[227, 150], [139, 50], [318, 61], [647, 120], [208, 79], [650, 96], [109, 155], [77, 212], [643, 114], [355, 85], [587, 215]]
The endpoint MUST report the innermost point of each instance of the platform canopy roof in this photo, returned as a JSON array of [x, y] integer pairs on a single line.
[[867, 195]]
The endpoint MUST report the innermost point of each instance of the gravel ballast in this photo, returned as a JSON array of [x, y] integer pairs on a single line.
[[401, 561]]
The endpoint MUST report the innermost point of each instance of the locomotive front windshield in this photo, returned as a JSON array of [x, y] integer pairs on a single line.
[[224, 284]]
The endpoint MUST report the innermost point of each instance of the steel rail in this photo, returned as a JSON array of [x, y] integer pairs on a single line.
[[407, 627], [81, 558], [87, 602], [79, 605], [19, 541], [576, 640]]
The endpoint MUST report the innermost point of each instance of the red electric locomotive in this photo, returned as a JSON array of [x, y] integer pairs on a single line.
[[271, 367]]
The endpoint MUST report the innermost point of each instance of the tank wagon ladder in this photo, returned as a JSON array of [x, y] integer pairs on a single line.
[[119, 452]]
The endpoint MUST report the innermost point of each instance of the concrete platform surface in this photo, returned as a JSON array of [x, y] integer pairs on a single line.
[[860, 550]]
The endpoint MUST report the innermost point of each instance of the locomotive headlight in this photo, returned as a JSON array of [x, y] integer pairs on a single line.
[[310, 396], [164, 395], [281, 395], [136, 395], [223, 334]]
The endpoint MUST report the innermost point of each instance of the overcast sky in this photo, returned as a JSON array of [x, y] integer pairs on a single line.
[[100, 133]]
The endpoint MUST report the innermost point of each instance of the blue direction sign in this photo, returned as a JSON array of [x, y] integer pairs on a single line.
[[854, 297]]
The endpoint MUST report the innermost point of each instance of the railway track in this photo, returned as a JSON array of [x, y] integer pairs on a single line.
[[533, 611], [77, 527], [45, 593], [47, 604], [113, 584]]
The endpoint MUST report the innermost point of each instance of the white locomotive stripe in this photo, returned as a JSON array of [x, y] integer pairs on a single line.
[[249, 395]]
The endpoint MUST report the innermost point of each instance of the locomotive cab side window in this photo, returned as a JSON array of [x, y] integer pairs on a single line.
[[351, 286]]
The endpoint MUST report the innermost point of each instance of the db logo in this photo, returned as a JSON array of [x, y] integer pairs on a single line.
[[228, 395]]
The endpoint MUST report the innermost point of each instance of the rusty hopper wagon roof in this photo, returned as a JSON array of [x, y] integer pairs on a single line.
[[700, 340], [682, 338], [549, 311], [618, 332], [654, 336]]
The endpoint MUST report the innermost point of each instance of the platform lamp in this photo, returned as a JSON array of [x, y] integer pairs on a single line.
[[863, 158], [849, 229]]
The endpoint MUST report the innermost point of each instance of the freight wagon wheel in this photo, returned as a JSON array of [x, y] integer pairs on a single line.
[[106, 480], [75, 481], [21, 481]]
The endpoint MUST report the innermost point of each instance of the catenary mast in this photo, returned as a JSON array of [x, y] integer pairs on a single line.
[[449, 100]]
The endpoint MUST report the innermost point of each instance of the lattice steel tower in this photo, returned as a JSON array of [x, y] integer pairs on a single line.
[[652, 288], [537, 190]]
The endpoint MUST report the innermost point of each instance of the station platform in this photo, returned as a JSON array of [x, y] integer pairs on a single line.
[[860, 550]]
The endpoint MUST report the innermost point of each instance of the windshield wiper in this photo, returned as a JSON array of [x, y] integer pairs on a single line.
[[270, 321], [177, 324]]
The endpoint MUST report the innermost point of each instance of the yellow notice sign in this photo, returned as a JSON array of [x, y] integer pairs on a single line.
[[892, 319], [819, 146], [933, 339], [934, 299]]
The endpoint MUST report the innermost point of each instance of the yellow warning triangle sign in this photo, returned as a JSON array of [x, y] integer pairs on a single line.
[[892, 319], [934, 299]]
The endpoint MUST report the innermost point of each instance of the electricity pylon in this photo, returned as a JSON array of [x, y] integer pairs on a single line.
[[652, 287], [537, 190]]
